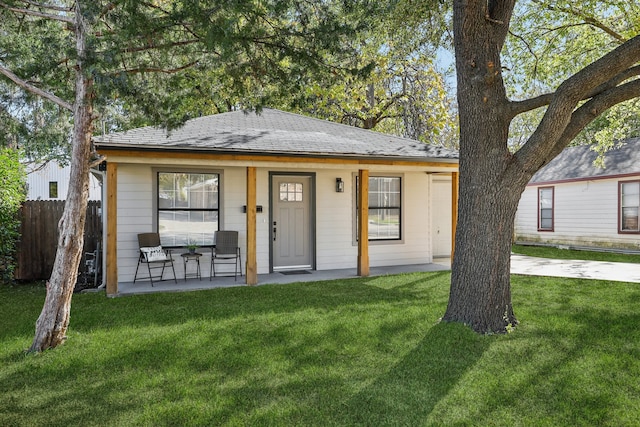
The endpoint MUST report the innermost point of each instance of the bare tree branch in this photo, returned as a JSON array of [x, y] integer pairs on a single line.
[[596, 106], [36, 13], [48, 6], [562, 107], [581, 117], [590, 20], [160, 70], [616, 80], [519, 107], [35, 90], [160, 46], [584, 115], [603, 74]]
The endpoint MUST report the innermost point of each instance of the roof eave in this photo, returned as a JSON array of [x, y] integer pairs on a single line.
[[306, 155]]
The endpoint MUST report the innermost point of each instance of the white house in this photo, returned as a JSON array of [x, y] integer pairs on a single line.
[[572, 202], [287, 183], [50, 181]]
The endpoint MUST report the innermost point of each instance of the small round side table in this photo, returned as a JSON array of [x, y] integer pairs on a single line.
[[191, 256]]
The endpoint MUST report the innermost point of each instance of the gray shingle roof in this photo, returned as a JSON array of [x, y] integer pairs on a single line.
[[278, 133], [577, 163]]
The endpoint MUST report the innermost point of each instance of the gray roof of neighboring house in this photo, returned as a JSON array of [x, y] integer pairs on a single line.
[[274, 132], [577, 163]]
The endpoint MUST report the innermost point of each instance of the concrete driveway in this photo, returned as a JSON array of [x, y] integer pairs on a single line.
[[615, 271]]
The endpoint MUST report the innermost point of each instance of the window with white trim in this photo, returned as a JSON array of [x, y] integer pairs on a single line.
[[188, 207], [545, 209], [629, 200]]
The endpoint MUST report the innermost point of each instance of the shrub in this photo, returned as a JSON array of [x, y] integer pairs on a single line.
[[12, 194]]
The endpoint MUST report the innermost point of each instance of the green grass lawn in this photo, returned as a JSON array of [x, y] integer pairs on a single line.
[[367, 351], [552, 252]]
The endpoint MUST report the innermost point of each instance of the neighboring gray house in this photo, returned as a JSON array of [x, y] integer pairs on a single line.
[[572, 202], [300, 173]]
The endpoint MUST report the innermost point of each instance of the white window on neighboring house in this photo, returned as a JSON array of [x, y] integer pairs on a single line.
[[629, 204], [545, 209], [188, 207]]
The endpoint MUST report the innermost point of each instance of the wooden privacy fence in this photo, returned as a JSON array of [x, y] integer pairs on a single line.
[[39, 241]]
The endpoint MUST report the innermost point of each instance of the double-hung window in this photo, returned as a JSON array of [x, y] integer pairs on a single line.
[[385, 197], [629, 199], [188, 207], [545, 209]]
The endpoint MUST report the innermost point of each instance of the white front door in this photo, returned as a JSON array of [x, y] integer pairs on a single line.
[[291, 230]]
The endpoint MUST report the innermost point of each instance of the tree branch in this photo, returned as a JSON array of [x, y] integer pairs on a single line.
[[616, 80], [161, 46], [562, 117], [589, 20], [580, 118], [36, 13], [519, 107], [160, 70], [609, 67], [596, 106], [35, 90], [48, 6]]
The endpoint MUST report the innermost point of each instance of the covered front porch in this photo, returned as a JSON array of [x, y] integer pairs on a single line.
[[154, 182], [194, 284]]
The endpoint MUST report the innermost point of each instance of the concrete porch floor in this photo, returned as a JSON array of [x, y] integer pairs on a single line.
[[192, 284]]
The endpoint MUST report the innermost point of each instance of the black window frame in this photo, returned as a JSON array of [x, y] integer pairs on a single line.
[[377, 207], [206, 237]]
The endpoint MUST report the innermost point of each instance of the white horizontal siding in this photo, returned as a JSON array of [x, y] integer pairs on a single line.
[[585, 214], [135, 215], [334, 216], [38, 179], [335, 220], [415, 247]]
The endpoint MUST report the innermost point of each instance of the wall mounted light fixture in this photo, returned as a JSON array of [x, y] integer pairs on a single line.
[[339, 185]]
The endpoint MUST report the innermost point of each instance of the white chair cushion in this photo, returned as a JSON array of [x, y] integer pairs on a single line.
[[155, 253]]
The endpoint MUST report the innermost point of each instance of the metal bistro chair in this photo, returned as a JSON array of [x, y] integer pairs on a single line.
[[226, 252], [156, 258]]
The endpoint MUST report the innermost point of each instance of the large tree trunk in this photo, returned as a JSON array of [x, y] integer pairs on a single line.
[[489, 193], [480, 281], [491, 178], [52, 324]]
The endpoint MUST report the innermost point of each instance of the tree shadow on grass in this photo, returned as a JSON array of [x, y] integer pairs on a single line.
[[225, 303], [90, 312], [243, 364], [408, 392], [160, 382]]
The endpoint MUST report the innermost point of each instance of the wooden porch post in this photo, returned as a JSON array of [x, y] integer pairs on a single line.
[[454, 210], [363, 222], [111, 271], [252, 263]]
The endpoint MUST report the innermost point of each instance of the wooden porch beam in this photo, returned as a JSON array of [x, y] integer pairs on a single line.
[[252, 263], [111, 258], [363, 222]]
